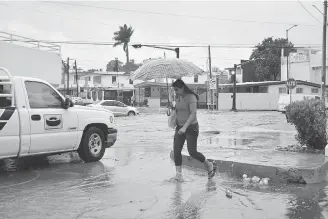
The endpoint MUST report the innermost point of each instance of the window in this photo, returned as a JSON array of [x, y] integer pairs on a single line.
[[41, 95], [299, 90], [113, 79], [5, 101], [130, 81], [97, 79], [315, 90], [282, 90], [196, 79], [119, 104], [263, 90], [108, 103]]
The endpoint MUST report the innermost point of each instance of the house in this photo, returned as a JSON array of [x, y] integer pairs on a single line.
[[259, 95], [100, 85], [156, 91]]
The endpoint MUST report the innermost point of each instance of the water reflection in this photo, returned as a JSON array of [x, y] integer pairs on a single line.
[[305, 202], [23, 164], [177, 202], [242, 140], [50, 170], [191, 208]]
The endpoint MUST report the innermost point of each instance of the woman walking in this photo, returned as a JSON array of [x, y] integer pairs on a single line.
[[187, 128]]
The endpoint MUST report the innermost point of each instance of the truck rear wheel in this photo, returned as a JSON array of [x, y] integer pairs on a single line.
[[92, 146]]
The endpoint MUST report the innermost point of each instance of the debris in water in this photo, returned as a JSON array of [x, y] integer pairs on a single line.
[[228, 193], [256, 179]]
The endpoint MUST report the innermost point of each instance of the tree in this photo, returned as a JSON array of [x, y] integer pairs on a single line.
[[114, 65], [267, 58], [123, 36]]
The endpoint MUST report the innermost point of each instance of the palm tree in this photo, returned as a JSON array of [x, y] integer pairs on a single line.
[[123, 36]]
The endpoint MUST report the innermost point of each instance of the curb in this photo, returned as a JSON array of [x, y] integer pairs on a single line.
[[276, 174]]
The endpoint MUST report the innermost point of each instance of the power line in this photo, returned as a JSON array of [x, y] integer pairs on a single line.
[[177, 15], [58, 15], [308, 11], [182, 45]]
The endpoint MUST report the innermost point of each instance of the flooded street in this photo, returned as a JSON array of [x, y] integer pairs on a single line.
[[133, 179]]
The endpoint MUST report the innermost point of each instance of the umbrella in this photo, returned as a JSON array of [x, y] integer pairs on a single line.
[[166, 68]]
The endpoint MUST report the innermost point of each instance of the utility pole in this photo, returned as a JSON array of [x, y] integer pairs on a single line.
[[67, 69], [234, 90], [210, 68], [217, 91], [324, 51], [287, 51], [117, 69], [77, 81]]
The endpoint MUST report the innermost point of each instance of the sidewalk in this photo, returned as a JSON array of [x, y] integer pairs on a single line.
[[147, 110], [255, 154]]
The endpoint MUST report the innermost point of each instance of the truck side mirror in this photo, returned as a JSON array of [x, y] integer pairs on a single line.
[[68, 103]]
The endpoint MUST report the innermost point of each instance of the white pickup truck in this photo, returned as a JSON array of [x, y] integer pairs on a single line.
[[35, 119]]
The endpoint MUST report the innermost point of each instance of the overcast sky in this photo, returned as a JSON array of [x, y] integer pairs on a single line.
[[241, 23]]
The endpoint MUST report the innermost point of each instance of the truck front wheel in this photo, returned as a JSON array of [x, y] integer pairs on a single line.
[[92, 146]]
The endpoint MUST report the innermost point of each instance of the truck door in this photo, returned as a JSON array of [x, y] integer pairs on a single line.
[[53, 128], [9, 123]]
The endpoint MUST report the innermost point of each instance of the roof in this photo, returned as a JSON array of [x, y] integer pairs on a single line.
[[244, 84], [268, 83], [157, 84], [99, 73]]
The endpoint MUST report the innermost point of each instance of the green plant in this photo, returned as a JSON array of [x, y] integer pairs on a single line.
[[310, 122]]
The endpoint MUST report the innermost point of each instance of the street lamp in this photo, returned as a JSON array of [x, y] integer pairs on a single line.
[[177, 50], [288, 52]]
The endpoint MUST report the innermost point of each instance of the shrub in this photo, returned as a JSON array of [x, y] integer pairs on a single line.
[[310, 122]]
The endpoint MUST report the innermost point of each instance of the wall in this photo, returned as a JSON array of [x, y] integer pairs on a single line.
[[274, 89], [154, 102], [29, 62], [248, 71], [155, 91], [190, 80], [249, 101], [258, 101]]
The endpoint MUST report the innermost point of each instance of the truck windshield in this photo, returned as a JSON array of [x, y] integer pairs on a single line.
[[5, 101]]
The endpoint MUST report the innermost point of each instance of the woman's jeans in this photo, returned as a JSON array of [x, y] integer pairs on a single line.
[[191, 135]]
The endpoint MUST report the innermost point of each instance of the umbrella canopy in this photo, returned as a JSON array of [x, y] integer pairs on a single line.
[[166, 68]]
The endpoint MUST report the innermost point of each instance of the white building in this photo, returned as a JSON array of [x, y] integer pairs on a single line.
[[305, 64], [99, 85]]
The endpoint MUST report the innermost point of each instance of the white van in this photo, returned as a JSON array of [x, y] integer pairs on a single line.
[[284, 100]]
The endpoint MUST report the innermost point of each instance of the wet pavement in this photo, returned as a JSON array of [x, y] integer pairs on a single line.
[[133, 178]]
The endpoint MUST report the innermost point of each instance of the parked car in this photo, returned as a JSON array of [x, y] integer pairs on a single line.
[[39, 120], [77, 100], [118, 108], [284, 100]]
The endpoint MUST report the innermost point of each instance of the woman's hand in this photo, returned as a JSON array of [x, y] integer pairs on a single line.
[[182, 131]]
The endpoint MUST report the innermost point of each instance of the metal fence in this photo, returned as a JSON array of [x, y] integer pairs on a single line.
[[28, 42]]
